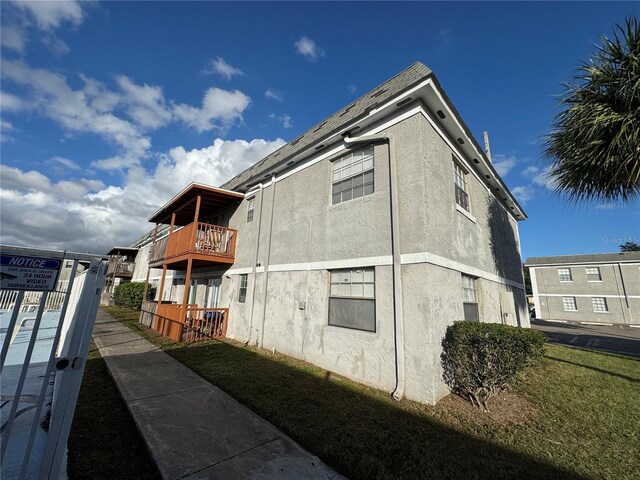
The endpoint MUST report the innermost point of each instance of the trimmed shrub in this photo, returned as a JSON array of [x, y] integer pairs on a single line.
[[480, 360], [130, 294]]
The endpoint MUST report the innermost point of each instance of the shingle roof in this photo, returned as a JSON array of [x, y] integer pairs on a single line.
[[147, 237], [588, 258], [404, 80]]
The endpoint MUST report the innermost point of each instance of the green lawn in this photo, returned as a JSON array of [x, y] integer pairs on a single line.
[[577, 415], [104, 442]]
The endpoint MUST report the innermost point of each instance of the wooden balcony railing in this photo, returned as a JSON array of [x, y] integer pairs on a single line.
[[189, 323], [120, 268], [158, 250], [202, 239]]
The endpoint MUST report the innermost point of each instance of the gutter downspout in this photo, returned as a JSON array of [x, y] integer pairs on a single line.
[[398, 317], [253, 268], [266, 263]]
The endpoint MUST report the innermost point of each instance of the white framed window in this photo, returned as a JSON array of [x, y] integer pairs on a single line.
[[469, 299], [352, 175], [352, 298], [569, 304], [599, 304], [593, 274], [250, 207], [459, 174], [242, 291], [564, 275]]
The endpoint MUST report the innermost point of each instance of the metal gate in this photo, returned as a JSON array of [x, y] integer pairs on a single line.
[[45, 329]]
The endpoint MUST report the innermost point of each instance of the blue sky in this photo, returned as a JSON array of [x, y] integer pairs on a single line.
[[109, 109]]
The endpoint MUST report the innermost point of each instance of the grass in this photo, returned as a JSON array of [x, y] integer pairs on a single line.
[[581, 416], [104, 442]]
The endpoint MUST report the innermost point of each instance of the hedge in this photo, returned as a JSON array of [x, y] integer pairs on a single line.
[[130, 294], [480, 360]]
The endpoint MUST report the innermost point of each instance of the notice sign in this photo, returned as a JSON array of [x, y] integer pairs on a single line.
[[28, 273]]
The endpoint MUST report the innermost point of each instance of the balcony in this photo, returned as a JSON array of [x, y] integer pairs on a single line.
[[120, 268], [185, 323], [121, 262], [201, 242]]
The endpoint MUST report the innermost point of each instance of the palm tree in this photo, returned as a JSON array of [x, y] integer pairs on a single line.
[[595, 143]]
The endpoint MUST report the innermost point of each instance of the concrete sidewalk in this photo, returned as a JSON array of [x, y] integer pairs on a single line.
[[193, 429]]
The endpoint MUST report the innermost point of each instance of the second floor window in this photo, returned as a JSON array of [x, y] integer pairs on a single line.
[[352, 176], [250, 207], [564, 275], [593, 274], [462, 197]]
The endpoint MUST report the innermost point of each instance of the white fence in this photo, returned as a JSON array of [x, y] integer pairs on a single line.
[[54, 298], [45, 339]]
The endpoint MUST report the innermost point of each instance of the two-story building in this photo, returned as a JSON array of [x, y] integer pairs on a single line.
[[596, 288], [352, 247]]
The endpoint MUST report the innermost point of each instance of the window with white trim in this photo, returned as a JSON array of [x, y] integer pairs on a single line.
[[564, 275], [569, 304], [242, 292], [352, 298], [250, 207], [352, 175], [599, 304], [469, 299], [593, 274], [462, 198]]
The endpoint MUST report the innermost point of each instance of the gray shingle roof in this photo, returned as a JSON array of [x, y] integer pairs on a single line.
[[360, 108], [588, 258]]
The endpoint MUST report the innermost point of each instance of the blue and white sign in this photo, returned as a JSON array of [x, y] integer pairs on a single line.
[[28, 273]]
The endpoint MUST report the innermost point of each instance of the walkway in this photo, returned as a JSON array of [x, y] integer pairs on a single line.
[[193, 429]]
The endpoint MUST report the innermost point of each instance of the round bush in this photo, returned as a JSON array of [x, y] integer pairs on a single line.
[[480, 360]]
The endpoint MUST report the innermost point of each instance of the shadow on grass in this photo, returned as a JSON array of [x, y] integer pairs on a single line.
[[595, 369], [358, 430], [104, 442]]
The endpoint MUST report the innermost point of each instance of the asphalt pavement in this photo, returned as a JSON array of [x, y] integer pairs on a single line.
[[620, 339]]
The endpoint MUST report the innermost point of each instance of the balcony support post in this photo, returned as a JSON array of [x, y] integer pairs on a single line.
[[185, 295], [146, 282], [160, 295], [173, 223], [194, 230]]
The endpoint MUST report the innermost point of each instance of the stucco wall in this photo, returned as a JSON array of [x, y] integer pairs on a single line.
[[310, 236]]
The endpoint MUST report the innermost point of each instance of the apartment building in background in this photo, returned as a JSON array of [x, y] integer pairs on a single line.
[[597, 288], [352, 247]]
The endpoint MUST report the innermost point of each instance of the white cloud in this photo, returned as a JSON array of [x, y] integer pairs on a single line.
[[11, 103], [220, 109], [145, 104], [13, 37], [49, 15], [308, 48], [274, 95], [442, 41], [606, 206], [284, 119], [351, 88], [50, 94], [543, 179], [222, 68], [65, 162], [523, 193], [86, 214], [530, 171], [503, 163]]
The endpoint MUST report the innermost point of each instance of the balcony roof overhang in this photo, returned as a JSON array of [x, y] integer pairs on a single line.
[[122, 251], [184, 203]]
